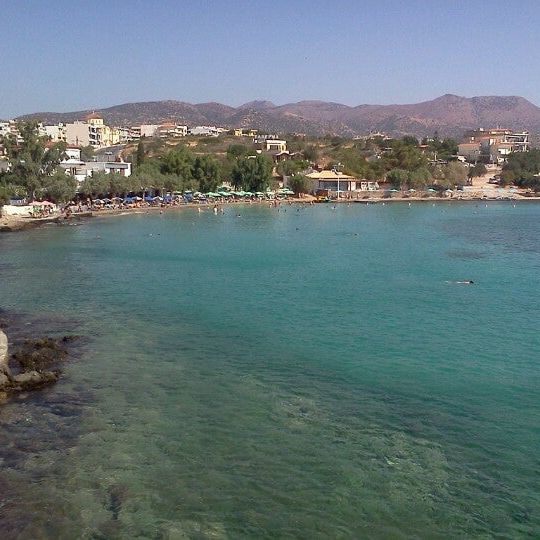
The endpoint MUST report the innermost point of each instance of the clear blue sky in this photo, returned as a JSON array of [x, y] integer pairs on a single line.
[[71, 55]]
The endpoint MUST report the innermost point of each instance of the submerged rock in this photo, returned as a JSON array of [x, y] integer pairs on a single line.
[[30, 380], [35, 363]]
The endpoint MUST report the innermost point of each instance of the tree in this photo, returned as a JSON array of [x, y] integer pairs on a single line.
[[87, 153], [420, 178], [405, 156], [179, 162], [398, 177], [235, 151], [478, 170], [121, 185], [521, 168], [141, 154], [299, 183], [311, 153], [206, 171], [508, 177], [291, 166], [32, 160], [454, 174], [409, 140], [59, 187], [95, 185], [252, 173]]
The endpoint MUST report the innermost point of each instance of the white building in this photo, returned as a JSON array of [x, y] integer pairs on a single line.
[[80, 169], [205, 131], [56, 133], [148, 130], [276, 145], [5, 129], [78, 134]]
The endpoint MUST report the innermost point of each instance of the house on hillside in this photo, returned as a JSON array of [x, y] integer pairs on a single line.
[[493, 145]]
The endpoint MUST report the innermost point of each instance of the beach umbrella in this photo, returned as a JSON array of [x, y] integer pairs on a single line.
[[42, 203], [98, 201]]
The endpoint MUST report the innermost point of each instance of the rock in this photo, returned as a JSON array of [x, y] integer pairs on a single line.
[[3, 352], [4, 380], [33, 379], [39, 354]]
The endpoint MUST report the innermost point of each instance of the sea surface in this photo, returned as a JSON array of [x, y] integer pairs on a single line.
[[303, 373]]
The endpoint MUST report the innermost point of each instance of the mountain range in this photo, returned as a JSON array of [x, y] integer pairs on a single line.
[[449, 115]]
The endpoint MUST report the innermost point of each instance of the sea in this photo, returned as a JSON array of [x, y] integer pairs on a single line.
[[295, 372]]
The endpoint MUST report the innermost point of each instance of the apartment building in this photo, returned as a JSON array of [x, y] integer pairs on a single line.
[[493, 145], [92, 132]]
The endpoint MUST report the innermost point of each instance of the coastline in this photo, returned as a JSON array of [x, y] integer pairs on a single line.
[[15, 223]]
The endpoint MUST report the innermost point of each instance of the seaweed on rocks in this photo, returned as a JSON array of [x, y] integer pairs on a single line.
[[33, 362]]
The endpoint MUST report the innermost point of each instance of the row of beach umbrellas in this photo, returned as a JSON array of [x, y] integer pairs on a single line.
[[211, 194]]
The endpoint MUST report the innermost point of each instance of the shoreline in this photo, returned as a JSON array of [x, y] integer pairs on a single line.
[[15, 224]]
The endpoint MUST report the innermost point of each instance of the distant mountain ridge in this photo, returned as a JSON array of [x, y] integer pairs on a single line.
[[449, 115]]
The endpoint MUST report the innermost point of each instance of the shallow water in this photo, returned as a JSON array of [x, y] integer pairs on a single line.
[[308, 373]]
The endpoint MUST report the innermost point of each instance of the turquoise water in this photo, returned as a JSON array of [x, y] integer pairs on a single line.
[[308, 373]]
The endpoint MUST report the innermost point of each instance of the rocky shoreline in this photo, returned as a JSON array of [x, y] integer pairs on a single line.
[[34, 364]]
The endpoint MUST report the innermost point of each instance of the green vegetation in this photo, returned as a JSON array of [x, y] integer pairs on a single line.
[[522, 169], [477, 170], [203, 164], [87, 152], [34, 167], [299, 183], [252, 173]]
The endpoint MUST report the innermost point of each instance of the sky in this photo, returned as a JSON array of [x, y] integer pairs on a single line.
[[67, 56]]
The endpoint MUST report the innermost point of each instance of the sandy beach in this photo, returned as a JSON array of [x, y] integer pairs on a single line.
[[481, 192]]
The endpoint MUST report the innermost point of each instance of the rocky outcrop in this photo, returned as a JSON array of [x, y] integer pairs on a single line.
[[4, 358], [34, 364]]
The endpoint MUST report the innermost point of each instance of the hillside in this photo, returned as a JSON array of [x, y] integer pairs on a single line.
[[450, 115]]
